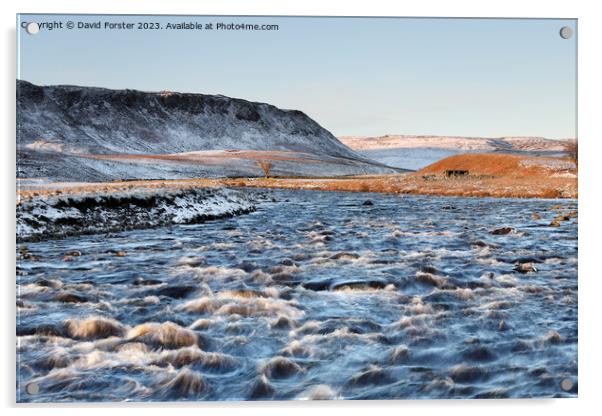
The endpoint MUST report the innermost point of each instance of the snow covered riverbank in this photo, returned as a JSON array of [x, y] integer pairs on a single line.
[[65, 215]]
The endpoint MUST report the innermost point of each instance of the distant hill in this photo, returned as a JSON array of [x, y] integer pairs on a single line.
[[94, 134], [416, 152], [530, 144]]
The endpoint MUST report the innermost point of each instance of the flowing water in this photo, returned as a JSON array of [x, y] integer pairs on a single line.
[[315, 295]]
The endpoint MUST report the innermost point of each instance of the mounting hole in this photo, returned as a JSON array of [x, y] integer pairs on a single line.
[[32, 28], [32, 388], [566, 32], [566, 384]]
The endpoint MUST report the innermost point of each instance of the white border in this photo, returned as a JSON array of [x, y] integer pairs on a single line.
[[590, 288]]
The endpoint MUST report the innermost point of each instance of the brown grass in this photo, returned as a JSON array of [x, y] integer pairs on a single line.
[[490, 175], [494, 164], [414, 184]]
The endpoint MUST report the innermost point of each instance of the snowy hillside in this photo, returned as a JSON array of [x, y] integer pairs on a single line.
[[61, 129]]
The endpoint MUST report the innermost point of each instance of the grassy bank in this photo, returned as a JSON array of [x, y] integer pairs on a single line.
[[486, 175]]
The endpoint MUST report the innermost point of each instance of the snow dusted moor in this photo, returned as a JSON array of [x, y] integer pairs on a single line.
[[70, 133]]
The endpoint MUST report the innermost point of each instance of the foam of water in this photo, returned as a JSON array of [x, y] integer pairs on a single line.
[[319, 297]]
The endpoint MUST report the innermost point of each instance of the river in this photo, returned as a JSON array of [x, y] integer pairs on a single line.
[[316, 295]]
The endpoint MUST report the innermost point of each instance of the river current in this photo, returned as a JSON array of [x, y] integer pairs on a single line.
[[316, 295]]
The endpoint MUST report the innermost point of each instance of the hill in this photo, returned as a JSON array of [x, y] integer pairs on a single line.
[[416, 152], [95, 134], [504, 165], [459, 143]]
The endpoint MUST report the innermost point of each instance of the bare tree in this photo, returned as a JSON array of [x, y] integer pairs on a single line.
[[265, 167], [571, 148]]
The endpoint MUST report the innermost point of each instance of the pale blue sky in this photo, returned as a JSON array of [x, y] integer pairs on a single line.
[[354, 76]]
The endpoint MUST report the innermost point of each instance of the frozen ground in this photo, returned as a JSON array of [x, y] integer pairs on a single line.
[[60, 216]]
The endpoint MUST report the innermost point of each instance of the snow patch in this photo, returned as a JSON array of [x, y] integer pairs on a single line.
[[56, 217]]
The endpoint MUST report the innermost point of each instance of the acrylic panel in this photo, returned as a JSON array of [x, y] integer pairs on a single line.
[[216, 208]]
